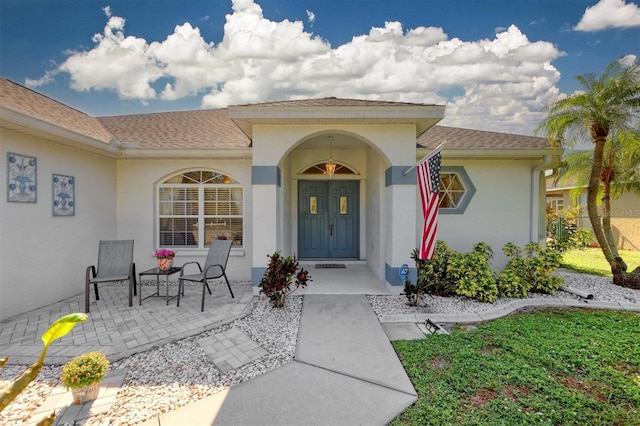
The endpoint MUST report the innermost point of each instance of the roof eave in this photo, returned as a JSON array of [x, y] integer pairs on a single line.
[[422, 116], [27, 124], [177, 153], [489, 154]]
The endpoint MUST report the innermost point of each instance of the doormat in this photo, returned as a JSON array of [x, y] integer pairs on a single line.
[[330, 266]]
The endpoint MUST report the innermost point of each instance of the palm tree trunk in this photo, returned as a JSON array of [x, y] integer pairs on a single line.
[[592, 194]]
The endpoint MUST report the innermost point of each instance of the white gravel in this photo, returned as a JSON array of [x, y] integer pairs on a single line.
[[175, 374], [601, 288]]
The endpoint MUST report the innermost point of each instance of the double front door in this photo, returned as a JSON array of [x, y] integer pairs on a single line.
[[328, 219]]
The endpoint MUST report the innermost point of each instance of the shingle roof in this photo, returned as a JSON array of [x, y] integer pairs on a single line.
[[28, 102], [214, 128], [477, 139], [180, 129]]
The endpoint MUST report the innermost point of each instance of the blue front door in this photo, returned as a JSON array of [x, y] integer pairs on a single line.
[[328, 219]]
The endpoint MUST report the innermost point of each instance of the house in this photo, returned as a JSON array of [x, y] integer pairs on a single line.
[[255, 174], [625, 212]]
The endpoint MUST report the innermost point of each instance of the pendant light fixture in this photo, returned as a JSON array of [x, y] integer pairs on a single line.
[[330, 166]]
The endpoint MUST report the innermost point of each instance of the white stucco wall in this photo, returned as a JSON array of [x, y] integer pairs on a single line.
[[499, 211], [376, 213], [136, 199], [43, 258]]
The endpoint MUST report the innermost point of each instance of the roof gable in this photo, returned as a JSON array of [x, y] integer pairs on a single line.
[[40, 107], [176, 130]]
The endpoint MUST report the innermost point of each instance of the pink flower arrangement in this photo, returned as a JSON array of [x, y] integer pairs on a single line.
[[165, 254]]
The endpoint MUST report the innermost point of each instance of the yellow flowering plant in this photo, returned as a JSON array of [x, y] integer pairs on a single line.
[[84, 370]]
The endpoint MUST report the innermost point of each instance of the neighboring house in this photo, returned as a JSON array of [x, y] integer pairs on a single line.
[[254, 174], [625, 212]]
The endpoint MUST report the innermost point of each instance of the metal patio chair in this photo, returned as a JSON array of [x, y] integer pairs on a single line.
[[115, 263], [214, 267]]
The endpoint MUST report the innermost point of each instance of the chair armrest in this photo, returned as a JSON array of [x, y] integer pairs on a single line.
[[91, 272], [206, 273], [190, 263]]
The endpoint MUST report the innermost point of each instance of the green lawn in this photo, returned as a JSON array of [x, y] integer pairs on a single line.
[[554, 367], [592, 261]]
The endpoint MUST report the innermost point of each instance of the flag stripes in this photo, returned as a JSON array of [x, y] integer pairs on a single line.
[[429, 184]]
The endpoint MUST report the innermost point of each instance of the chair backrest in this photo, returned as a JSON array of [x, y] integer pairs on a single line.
[[114, 258], [218, 255]]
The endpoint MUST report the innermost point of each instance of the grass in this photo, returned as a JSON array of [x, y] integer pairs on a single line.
[[555, 367], [592, 261]]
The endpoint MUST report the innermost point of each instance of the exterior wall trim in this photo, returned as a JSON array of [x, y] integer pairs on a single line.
[[265, 175], [394, 175]]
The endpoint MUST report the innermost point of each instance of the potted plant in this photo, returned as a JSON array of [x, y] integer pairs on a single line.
[[165, 258], [277, 279], [83, 374]]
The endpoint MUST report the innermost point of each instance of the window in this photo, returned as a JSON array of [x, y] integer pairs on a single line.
[[555, 203], [197, 207], [456, 190], [320, 169]]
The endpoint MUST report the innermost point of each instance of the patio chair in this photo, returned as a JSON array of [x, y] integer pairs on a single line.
[[115, 263], [214, 267]]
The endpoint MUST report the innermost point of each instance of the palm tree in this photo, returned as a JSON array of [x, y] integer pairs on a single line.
[[608, 110]]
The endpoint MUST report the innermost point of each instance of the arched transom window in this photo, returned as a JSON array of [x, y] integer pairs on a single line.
[[321, 169], [197, 207]]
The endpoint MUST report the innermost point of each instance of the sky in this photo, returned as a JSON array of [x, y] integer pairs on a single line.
[[494, 64]]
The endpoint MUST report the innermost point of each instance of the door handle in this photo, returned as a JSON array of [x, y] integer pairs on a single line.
[[331, 229]]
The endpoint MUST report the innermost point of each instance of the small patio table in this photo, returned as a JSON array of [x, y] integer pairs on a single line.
[[158, 272]]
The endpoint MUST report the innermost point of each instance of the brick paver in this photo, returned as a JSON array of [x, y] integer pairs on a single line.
[[118, 330], [231, 349]]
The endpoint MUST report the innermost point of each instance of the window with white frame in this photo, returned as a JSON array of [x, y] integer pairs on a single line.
[[197, 207]]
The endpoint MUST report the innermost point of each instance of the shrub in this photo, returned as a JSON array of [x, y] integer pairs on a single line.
[[432, 276], [529, 269], [84, 370], [563, 230], [512, 281], [277, 279], [473, 273]]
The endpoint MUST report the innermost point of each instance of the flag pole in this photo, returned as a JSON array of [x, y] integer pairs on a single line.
[[415, 165]]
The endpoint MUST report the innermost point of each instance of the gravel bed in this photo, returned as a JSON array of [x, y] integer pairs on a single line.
[[175, 374], [165, 378], [601, 288]]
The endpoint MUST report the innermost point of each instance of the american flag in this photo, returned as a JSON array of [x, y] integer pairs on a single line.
[[429, 183]]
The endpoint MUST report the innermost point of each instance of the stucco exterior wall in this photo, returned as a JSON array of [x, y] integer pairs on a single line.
[[499, 211], [43, 258], [376, 213], [625, 221], [136, 213]]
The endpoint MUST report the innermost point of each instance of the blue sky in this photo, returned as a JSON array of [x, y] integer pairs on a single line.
[[493, 63]]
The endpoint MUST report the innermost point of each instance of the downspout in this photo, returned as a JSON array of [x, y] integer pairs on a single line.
[[535, 198]]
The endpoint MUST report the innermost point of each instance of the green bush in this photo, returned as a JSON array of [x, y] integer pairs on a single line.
[[529, 269], [84, 370], [513, 280], [432, 276], [563, 230], [473, 273]]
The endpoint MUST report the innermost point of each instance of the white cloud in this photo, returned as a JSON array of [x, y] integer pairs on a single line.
[[609, 14], [505, 81], [311, 16]]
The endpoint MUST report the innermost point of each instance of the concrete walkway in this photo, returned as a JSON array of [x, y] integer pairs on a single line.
[[344, 372]]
